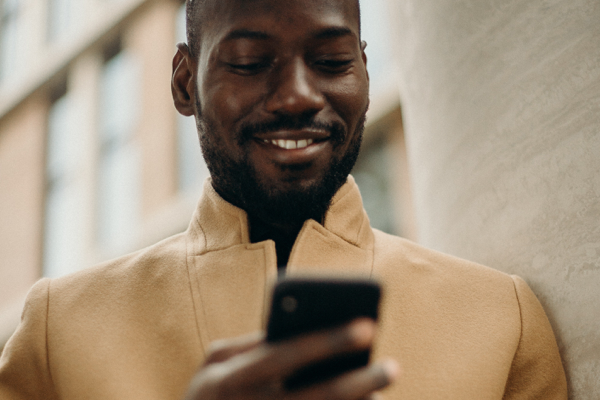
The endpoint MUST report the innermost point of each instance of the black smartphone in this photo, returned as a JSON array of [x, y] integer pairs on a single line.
[[303, 305]]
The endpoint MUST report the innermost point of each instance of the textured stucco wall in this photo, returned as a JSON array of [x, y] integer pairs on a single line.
[[501, 102]]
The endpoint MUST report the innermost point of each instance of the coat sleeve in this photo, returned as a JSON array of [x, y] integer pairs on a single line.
[[24, 369], [536, 371]]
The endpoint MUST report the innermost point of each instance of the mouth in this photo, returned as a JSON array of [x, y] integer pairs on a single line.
[[289, 144], [296, 147], [294, 140]]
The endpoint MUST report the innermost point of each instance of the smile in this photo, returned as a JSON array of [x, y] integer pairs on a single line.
[[290, 144]]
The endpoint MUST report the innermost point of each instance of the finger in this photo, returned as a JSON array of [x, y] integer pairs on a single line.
[[217, 371], [275, 361], [374, 396], [224, 349], [355, 385]]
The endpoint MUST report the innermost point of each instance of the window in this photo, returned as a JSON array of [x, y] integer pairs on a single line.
[[64, 214], [9, 38], [59, 19], [377, 32], [119, 170], [191, 166], [372, 173]]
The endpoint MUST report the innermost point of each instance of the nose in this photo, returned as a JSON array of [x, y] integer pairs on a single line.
[[294, 90]]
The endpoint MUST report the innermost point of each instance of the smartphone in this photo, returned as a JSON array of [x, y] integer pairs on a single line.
[[303, 305]]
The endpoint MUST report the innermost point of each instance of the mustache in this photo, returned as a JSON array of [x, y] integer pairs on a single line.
[[247, 131]]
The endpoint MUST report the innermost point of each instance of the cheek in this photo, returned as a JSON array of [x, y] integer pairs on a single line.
[[218, 104], [349, 98], [229, 103], [234, 105]]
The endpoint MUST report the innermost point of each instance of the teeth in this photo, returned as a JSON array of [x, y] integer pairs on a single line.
[[290, 144]]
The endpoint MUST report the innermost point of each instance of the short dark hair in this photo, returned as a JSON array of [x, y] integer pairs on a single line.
[[193, 18], [192, 25]]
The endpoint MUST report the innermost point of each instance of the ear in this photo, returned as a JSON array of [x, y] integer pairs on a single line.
[[363, 46], [182, 82]]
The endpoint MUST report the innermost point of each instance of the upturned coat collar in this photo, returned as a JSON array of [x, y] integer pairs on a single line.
[[231, 278]]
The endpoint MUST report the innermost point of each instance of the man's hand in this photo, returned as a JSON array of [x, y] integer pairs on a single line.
[[250, 368]]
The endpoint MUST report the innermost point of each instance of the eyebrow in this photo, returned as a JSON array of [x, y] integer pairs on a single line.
[[333, 32], [246, 34], [327, 33]]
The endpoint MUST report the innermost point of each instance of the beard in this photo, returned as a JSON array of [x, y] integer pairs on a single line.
[[238, 182]]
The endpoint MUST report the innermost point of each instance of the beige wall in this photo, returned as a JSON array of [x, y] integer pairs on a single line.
[[21, 198], [22, 140], [152, 40], [502, 113]]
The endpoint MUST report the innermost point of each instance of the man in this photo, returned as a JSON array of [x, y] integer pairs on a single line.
[[279, 90]]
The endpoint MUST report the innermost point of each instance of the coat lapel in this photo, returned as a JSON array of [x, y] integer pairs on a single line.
[[320, 252], [230, 277], [342, 245], [232, 290]]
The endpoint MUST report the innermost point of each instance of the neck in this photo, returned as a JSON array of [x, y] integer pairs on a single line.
[[282, 231], [284, 236]]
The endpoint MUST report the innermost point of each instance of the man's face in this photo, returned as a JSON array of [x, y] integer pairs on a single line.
[[281, 93]]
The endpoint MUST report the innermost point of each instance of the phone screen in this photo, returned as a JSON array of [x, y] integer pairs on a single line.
[[306, 305]]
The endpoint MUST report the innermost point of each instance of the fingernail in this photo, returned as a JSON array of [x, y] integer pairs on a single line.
[[392, 369], [363, 331]]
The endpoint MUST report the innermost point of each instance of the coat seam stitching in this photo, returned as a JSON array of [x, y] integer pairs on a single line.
[[191, 286], [46, 334], [520, 315], [520, 334]]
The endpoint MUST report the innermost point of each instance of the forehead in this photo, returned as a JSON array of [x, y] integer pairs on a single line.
[[219, 17]]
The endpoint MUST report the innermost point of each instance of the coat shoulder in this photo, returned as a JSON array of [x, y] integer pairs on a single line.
[[163, 259], [449, 290], [144, 282], [396, 256], [467, 315]]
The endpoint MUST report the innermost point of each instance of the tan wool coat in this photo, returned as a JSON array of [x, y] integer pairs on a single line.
[[138, 327]]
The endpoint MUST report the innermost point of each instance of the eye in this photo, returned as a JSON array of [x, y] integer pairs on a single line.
[[334, 65], [248, 68]]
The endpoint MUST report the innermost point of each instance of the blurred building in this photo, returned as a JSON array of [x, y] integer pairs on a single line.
[[94, 160]]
